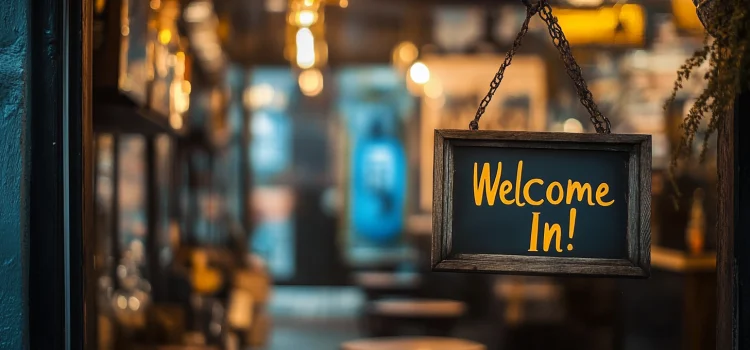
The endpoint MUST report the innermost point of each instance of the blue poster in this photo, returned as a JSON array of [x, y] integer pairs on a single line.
[[378, 185], [374, 104]]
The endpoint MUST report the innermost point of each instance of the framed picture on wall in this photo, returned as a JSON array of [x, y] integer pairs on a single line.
[[457, 84]]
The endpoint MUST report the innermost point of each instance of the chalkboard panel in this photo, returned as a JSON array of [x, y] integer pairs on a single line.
[[542, 203]]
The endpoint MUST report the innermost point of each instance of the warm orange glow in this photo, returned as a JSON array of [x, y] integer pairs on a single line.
[[599, 26], [175, 120], [685, 15], [165, 36], [311, 82]]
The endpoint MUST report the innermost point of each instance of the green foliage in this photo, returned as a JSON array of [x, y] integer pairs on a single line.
[[726, 52]]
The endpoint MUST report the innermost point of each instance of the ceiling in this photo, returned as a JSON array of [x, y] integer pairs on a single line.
[[364, 32]]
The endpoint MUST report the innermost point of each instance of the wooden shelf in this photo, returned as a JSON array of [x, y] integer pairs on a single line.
[[679, 261], [116, 113]]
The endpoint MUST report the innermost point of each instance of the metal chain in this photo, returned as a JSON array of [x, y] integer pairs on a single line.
[[600, 122], [531, 10]]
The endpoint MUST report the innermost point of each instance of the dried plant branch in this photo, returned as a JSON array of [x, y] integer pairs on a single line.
[[727, 70]]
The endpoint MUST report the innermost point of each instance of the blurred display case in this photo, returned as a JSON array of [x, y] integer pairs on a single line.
[[170, 92], [135, 53], [148, 90]]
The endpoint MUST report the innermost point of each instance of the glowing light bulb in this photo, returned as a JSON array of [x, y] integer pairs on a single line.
[[305, 48], [306, 18], [419, 73]]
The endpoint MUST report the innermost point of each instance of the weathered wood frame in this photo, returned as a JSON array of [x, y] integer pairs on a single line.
[[638, 263]]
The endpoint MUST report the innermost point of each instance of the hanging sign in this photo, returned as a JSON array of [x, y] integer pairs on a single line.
[[542, 203]]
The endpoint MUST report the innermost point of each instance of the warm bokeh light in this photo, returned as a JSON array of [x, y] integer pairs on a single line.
[[198, 11], [258, 96], [405, 52], [175, 121], [585, 3], [305, 48], [186, 87], [134, 303], [433, 89], [304, 18], [572, 125], [419, 73], [165, 36], [619, 25], [311, 82]]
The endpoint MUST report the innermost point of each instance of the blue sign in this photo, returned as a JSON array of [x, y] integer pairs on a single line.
[[378, 188], [378, 175]]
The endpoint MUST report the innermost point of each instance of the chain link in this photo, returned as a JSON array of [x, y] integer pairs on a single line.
[[495, 83], [600, 122]]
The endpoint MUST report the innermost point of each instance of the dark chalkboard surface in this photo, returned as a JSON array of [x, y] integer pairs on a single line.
[[585, 203]]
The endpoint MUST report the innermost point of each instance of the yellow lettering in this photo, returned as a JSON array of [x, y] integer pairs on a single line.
[[559, 190], [518, 184], [549, 233], [581, 189], [526, 194], [534, 232], [484, 184], [602, 191], [505, 188], [572, 230]]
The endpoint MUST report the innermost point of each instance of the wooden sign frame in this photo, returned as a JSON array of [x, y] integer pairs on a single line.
[[638, 262]]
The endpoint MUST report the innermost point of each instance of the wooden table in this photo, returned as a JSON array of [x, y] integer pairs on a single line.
[[412, 343], [437, 317], [379, 284]]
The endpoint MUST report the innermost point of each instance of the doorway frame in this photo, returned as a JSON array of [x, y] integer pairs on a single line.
[[62, 303]]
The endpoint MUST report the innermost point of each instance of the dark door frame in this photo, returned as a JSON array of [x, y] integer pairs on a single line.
[[60, 256], [733, 245]]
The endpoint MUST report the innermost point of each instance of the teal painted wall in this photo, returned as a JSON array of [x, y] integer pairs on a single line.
[[13, 175]]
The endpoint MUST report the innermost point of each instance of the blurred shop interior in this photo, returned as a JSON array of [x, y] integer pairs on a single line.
[[263, 172]]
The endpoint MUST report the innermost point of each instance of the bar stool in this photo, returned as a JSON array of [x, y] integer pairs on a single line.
[[412, 343], [435, 317]]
